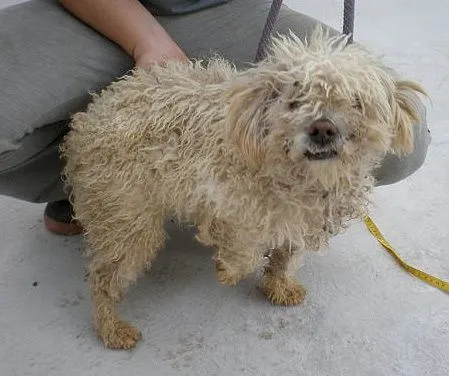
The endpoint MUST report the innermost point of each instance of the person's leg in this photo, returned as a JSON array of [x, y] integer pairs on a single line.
[[52, 61], [49, 63]]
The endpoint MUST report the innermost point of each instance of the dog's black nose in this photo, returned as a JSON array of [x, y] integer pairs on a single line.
[[322, 132]]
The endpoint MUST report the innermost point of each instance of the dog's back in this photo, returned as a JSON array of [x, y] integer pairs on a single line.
[[148, 133]]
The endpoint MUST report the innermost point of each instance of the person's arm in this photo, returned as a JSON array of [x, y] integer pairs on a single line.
[[129, 24]]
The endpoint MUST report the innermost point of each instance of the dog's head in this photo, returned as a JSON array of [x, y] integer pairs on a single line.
[[322, 105]]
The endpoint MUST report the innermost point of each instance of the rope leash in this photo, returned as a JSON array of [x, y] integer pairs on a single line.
[[348, 19], [272, 17], [273, 14], [348, 28]]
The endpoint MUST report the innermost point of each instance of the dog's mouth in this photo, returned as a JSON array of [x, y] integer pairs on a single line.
[[321, 155]]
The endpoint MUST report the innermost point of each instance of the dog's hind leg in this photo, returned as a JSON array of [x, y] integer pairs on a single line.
[[123, 254], [278, 283]]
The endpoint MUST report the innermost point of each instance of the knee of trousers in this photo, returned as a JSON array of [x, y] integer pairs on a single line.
[[32, 170], [393, 168]]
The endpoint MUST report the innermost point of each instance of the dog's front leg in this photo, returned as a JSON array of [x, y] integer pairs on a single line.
[[278, 282], [236, 257], [235, 262]]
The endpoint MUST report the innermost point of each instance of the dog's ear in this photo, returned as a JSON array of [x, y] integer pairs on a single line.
[[246, 118], [405, 115]]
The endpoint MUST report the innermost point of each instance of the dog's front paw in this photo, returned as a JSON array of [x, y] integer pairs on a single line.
[[282, 291], [119, 335], [224, 275]]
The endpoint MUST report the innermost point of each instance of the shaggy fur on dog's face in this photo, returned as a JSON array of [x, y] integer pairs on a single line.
[[364, 112]]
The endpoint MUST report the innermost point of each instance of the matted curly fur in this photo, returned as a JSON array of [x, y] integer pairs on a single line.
[[234, 153]]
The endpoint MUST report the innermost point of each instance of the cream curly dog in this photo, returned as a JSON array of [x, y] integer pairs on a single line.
[[278, 156]]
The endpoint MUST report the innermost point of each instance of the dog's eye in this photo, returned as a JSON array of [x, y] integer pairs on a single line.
[[274, 95], [351, 137], [358, 104], [293, 105]]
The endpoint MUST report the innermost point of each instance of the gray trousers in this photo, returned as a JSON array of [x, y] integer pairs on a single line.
[[50, 62]]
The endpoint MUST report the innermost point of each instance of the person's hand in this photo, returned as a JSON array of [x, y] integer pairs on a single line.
[[156, 53], [131, 26]]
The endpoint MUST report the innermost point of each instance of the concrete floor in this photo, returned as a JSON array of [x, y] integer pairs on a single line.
[[363, 314]]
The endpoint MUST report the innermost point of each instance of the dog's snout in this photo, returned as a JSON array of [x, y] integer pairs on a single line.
[[322, 132]]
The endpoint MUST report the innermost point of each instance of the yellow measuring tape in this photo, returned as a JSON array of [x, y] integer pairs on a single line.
[[431, 280]]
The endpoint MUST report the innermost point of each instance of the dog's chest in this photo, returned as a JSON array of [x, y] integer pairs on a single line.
[[313, 219], [305, 220]]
